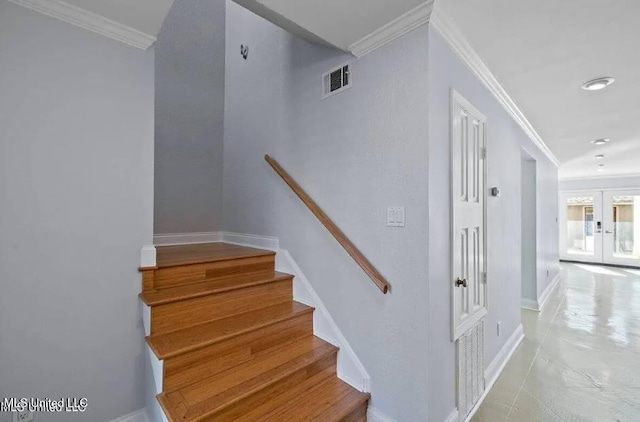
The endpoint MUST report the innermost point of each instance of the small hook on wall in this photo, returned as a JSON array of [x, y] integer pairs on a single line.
[[244, 51]]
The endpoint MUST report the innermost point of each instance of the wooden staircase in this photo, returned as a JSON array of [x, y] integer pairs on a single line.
[[235, 345]]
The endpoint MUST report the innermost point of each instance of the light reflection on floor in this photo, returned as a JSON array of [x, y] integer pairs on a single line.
[[599, 269], [580, 359]]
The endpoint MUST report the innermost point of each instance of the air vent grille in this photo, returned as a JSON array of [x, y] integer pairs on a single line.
[[336, 81]]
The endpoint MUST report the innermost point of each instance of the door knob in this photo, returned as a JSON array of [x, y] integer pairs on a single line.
[[462, 282], [608, 232]]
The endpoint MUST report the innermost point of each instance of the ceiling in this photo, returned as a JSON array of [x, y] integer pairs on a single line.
[[542, 51], [338, 23], [357, 26], [133, 22], [143, 15]]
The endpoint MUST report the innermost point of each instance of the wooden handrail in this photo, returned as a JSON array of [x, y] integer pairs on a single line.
[[368, 268]]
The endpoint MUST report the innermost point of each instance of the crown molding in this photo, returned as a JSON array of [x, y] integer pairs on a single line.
[[90, 21], [411, 20], [600, 177], [443, 24]]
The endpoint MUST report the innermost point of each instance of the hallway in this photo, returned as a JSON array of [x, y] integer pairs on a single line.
[[579, 359]]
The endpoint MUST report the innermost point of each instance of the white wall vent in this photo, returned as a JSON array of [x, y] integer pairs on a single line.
[[470, 369], [336, 81]]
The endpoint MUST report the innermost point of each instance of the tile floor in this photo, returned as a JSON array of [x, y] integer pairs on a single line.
[[580, 359]]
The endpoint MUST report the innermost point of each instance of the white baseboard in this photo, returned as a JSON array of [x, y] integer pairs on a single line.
[[157, 368], [148, 257], [137, 416], [530, 304], [156, 414], [494, 369], [170, 239], [153, 384], [250, 240], [538, 305], [497, 365], [453, 416], [350, 369], [146, 318], [544, 297], [375, 415], [254, 241]]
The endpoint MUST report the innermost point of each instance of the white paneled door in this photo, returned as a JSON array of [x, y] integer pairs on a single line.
[[468, 220], [600, 227], [468, 283]]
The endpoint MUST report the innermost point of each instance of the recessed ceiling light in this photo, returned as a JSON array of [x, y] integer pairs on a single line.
[[599, 156], [600, 165], [598, 84], [600, 169], [600, 141]]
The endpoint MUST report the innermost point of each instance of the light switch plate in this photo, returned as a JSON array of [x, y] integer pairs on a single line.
[[396, 217]]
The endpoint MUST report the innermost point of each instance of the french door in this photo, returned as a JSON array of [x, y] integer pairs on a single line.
[[600, 227], [622, 227]]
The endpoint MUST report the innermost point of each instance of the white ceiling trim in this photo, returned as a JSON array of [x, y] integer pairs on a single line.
[[89, 21], [463, 49], [604, 176], [411, 20]]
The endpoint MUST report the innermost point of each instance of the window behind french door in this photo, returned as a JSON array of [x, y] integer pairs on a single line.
[[600, 227]]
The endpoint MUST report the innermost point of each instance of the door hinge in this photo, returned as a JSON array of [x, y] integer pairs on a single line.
[[484, 278], [483, 153]]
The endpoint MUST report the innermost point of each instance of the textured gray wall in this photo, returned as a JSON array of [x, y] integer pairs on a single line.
[[356, 154], [190, 67], [505, 141], [76, 195], [631, 182], [548, 248], [529, 257]]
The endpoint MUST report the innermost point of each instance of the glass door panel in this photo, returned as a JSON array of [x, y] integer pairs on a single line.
[[581, 226], [622, 227]]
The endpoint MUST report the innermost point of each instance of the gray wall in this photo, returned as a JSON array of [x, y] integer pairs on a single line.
[[356, 154], [529, 257], [190, 69], [505, 140], [548, 249], [632, 182], [76, 188]]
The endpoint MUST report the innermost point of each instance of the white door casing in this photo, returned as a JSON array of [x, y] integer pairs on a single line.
[[468, 198]]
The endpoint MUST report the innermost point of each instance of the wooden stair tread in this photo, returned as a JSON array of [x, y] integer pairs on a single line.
[[235, 346], [174, 343], [172, 256], [209, 396], [209, 287], [327, 400]]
